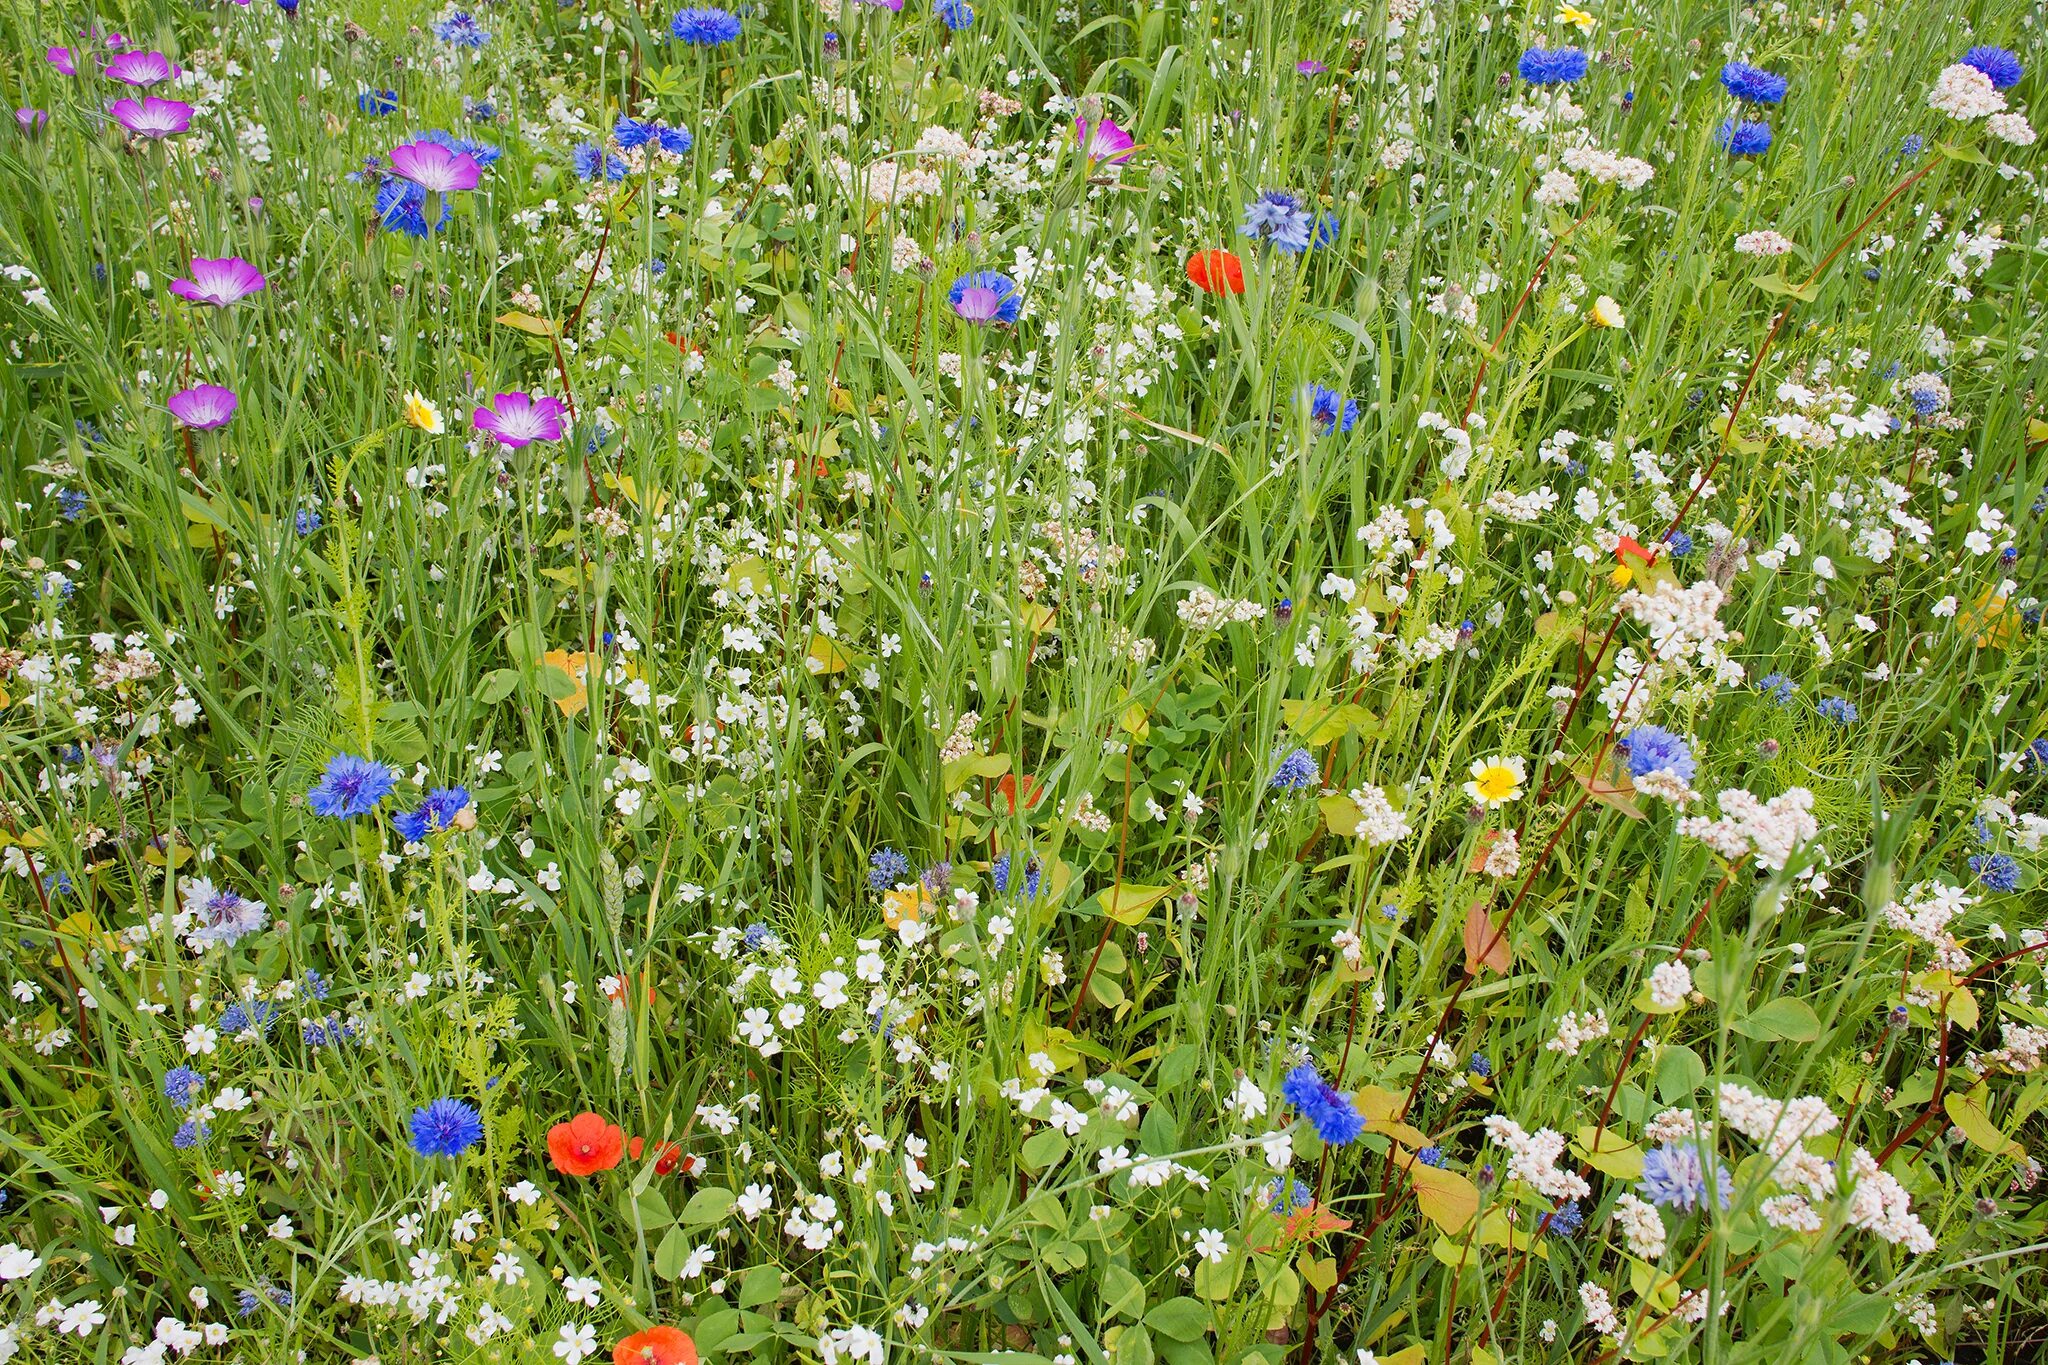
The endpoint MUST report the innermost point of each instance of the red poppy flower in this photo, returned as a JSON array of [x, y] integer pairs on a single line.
[[1006, 793], [1629, 549], [667, 1157], [1217, 272], [656, 1346], [586, 1145]]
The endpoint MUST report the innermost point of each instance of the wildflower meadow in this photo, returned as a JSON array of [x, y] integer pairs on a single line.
[[1004, 682]]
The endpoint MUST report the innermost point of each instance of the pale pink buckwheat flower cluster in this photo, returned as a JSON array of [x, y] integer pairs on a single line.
[[1769, 831], [1877, 1202], [1533, 1158]]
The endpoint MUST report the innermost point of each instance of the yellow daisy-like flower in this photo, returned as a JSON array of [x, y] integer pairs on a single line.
[[1577, 18], [420, 412], [1497, 780]]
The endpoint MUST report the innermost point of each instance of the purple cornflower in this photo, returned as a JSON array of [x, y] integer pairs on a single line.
[[350, 786], [460, 29], [1296, 772], [1330, 410], [1103, 140], [1998, 871], [436, 813], [886, 867], [204, 407], [220, 282], [1328, 1110], [150, 117], [434, 168], [140, 69], [520, 419], [1752, 85], [1746, 138], [1562, 67], [1280, 219], [986, 296], [2002, 66]]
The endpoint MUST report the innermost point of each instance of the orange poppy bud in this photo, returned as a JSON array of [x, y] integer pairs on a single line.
[[1216, 272]]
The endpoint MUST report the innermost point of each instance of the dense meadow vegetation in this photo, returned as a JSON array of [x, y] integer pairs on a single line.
[[1022, 684]]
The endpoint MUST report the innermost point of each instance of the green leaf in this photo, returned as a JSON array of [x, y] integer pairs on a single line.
[[495, 686], [1967, 154], [1966, 1110], [1043, 1148], [1779, 285], [760, 1285], [1128, 904], [1782, 1020], [1123, 1294], [1183, 1319], [708, 1205], [670, 1255]]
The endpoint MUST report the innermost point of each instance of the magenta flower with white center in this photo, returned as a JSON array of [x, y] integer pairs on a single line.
[[434, 168], [219, 282], [204, 407], [521, 419], [1103, 140], [140, 69], [152, 117]]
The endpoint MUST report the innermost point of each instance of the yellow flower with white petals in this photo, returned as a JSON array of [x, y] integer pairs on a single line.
[[420, 412], [1497, 780], [1606, 313]]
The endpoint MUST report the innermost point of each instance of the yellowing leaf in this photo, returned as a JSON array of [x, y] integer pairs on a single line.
[[1446, 1198], [826, 656], [1036, 616], [528, 323], [575, 668], [1966, 1110], [1135, 723], [1324, 722], [1128, 904], [1340, 814], [1486, 945], [1381, 1106], [1609, 1153]]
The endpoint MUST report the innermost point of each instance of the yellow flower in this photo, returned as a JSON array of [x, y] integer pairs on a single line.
[[1606, 313], [908, 903], [1497, 780], [420, 412], [1577, 18]]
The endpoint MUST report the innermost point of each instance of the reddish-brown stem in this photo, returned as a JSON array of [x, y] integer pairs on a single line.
[[1521, 302]]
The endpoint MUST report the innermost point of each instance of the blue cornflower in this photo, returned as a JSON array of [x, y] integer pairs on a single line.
[[1561, 67], [350, 786], [674, 141], [2002, 66], [1566, 1219], [436, 813], [589, 161], [756, 937], [1480, 1065], [984, 296], [378, 103], [1674, 1176], [631, 132], [1000, 874], [1750, 137], [461, 30], [71, 504], [954, 14], [403, 207], [480, 111], [886, 867], [1912, 145], [1280, 219], [1296, 772], [1330, 410], [1752, 85], [1652, 748], [329, 1032], [181, 1086], [307, 521], [1777, 687], [1840, 710], [316, 986], [485, 153], [1328, 1110], [1285, 1195], [190, 1134], [704, 27], [446, 1128], [1998, 871], [1431, 1155], [1680, 543], [257, 1015]]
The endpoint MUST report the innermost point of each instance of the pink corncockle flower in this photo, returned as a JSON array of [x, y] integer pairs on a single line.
[[140, 69], [1310, 67], [63, 58], [520, 419], [1103, 140], [434, 168], [219, 282], [151, 117], [32, 121], [204, 407]]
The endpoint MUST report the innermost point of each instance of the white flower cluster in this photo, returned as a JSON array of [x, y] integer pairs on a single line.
[[1769, 831], [1533, 1158], [1379, 823], [1877, 1203], [1631, 173], [1670, 984], [1964, 93], [1203, 610], [1574, 1031], [1926, 913]]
